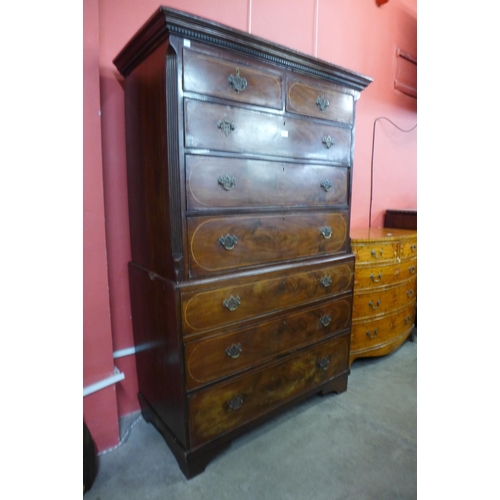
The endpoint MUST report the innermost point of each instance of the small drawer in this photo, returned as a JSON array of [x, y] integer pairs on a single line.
[[213, 358], [218, 244], [373, 333], [231, 304], [218, 182], [313, 99], [230, 79], [409, 248], [230, 128], [377, 276], [368, 304], [376, 253], [227, 405]]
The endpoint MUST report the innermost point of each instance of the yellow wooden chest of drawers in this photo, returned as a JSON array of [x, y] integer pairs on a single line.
[[385, 290]]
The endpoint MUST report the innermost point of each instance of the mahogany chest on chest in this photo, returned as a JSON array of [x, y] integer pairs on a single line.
[[239, 158]]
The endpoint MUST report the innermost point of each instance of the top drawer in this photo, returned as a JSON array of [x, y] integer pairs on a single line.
[[230, 79], [376, 252], [313, 99], [409, 248]]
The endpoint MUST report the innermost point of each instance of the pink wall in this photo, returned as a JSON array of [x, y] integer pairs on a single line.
[[352, 33], [100, 408]]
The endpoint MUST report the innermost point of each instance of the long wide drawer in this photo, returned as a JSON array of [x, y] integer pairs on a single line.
[[380, 275], [221, 408], [219, 182], [368, 304], [209, 359], [230, 304], [375, 332], [218, 244], [226, 128]]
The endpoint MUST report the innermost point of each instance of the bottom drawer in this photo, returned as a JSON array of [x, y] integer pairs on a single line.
[[225, 406], [372, 334]]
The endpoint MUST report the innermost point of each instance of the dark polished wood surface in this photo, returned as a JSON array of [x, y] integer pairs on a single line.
[[239, 164]]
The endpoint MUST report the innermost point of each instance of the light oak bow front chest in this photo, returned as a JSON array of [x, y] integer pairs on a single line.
[[239, 158], [385, 290]]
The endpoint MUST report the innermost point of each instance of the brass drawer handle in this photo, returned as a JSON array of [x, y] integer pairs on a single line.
[[237, 82], [411, 269], [413, 247], [407, 320], [326, 185], [326, 281], [372, 335], [234, 351], [226, 126], [372, 277], [323, 363], [322, 102], [235, 403], [372, 306], [226, 181], [328, 142], [228, 241], [325, 320], [326, 232], [374, 254], [232, 303], [409, 293]]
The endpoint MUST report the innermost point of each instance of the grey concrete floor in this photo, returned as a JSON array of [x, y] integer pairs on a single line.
[[358, 445]]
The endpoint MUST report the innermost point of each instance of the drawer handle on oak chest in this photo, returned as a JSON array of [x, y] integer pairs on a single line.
[[372, 306], [228, 241], [322, 102], [232, 303], [326, 281], [407, 320], [328, 142], [376, 280], [413, 247], [226, 182], [323, 363], [411, 269], [372, 335], [235, 403], [326, 232], [234, 351], [325, 320], [237, 82], [374, 254], [409, 293], [226, 126], [326, 185]]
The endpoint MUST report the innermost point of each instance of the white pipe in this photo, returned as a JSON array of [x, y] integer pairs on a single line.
[[90, 389], [124, 352], [135, 349]]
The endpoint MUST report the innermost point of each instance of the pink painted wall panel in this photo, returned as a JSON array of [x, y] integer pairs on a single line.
[[287, 22], [363, 37], [99, 411]]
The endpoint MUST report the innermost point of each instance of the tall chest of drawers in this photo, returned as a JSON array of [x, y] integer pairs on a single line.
[[239, 157], [385, 290]]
